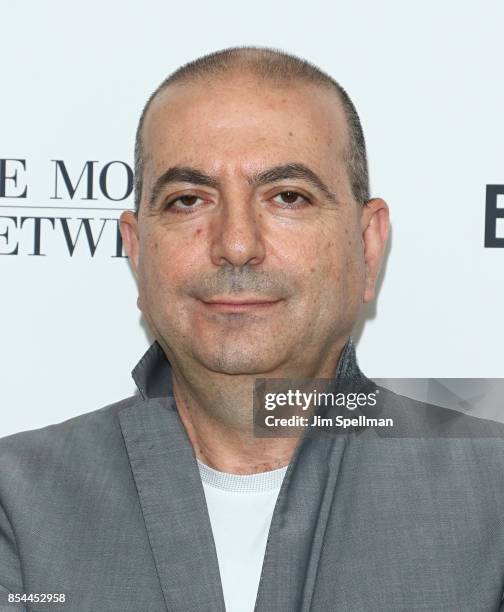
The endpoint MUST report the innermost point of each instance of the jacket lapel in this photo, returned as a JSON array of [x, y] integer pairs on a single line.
[[298, 526], [302, 510], [173, 505]]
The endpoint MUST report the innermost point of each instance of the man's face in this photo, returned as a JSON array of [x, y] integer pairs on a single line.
[[257, 208]]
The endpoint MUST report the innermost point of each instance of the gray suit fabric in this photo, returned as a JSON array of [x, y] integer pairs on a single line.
[[109, 508]]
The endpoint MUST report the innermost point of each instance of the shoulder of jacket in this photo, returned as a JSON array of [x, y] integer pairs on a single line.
[[96, 426]]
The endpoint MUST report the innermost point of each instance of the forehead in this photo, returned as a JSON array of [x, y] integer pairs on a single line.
[[244, 123]]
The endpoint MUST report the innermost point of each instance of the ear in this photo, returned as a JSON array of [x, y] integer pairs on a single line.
[[375, 229], [128, 225]]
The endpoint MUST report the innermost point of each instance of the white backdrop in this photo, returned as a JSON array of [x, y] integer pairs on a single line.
[[426, 77]]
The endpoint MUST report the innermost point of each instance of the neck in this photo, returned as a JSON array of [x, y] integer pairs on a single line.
[[217, 412]]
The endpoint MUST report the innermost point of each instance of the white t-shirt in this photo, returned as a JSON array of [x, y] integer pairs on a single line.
[[240, 509]]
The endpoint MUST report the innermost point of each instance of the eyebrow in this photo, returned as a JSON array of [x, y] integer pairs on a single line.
[[292, 171], [181, 174], [186, 174]]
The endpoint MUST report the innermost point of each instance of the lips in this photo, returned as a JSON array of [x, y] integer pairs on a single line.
[[234, 301], [243, 304]]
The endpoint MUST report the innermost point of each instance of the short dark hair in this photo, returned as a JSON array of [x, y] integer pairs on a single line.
[[278, 67]]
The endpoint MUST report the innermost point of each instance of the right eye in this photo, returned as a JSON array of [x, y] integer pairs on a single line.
[[183, 204]]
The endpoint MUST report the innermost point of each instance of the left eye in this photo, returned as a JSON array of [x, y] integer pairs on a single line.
[[290, 199]]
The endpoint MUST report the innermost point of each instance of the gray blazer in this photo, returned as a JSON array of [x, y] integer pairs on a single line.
[[109, 508]]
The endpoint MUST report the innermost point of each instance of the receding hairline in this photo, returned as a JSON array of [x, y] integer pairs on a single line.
[[279, 70], [275, 67], [231, 77]]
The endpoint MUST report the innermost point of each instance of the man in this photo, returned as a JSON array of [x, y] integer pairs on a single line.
[[255, 243]]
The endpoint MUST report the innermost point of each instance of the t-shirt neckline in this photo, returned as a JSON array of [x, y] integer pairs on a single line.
[[242, 483]]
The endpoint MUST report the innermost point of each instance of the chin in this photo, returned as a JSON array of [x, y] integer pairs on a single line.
[[238, 362]]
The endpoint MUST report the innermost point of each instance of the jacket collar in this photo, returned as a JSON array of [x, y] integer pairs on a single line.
[[152, 374], [173, 504]]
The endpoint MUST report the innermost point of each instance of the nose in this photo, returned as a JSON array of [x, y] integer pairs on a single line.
[[237, 234]]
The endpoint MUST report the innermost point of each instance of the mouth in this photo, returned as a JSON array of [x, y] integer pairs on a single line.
[[245, 304]]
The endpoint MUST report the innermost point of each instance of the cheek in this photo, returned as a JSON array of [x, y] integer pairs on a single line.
[[157, 268], [167, 260], [336, 267]]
